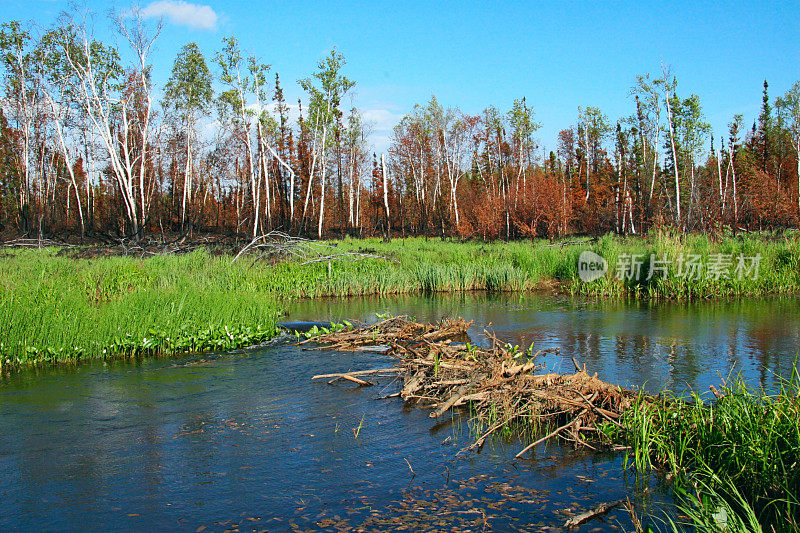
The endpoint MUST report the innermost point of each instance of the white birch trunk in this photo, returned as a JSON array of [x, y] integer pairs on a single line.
[[386, 198]]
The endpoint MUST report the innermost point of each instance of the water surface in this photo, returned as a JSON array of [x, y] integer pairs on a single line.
[[246, 441]]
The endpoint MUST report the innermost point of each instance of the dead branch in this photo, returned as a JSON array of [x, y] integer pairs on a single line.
[[348, 377], [552, 433], [601, 509], [280, 245], [358, 373]]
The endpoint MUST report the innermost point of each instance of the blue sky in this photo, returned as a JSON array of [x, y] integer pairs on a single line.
[[559, 55]]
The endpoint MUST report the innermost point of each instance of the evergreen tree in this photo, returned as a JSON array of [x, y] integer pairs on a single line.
[[764, 127]]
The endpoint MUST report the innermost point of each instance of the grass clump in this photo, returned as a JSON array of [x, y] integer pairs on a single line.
[[735, 458], [58, 309], [434, 265]]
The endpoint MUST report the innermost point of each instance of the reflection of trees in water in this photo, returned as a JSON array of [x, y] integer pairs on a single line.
[[665, 344]]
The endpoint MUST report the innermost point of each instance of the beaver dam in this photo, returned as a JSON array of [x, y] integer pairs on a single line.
[[502, 386]]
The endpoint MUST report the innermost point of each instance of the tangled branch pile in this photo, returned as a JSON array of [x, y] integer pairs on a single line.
[[277, 245], [500, 385]]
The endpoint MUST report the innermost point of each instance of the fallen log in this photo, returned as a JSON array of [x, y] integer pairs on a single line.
[[552, 434]]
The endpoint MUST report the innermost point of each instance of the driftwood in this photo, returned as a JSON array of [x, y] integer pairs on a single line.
[[352, 376], [457, 395], [358, 373], [504, 387], [349, 377], [601, 509]]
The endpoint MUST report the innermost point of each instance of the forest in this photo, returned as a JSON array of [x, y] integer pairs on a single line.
[[91, 147]]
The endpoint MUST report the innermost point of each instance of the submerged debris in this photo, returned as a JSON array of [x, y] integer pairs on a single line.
[[500, 385]]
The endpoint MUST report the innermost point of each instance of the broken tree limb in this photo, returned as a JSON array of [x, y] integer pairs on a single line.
[[608, 415], [512, 371], [478, 444], [358, 373], [462, 390], [348, 377], [601, 509], [413, 474], [551, 434]]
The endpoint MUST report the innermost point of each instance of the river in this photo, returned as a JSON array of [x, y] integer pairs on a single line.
[[246, 441]]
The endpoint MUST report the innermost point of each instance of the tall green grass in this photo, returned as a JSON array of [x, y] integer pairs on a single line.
[[435, 266], [736, 459], [57, 308]]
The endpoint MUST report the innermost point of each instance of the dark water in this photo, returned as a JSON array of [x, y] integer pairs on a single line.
[[246, 441]]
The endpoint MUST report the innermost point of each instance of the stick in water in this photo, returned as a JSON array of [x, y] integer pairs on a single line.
[[556, 432], [591, 513]]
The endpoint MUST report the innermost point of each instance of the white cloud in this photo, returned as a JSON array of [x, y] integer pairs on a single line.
[[182, 13], [381, 121]]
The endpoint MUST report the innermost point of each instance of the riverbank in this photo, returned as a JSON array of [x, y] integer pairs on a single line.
[[60, 308]]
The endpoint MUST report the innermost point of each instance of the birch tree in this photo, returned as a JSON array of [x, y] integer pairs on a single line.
[[356, 146], [692, 131], [648, 114], [734, 128], [325, 89], [789, 106], [234, 110], [669, 100], [595, 127], [188, 92], [22, 97], [59, 87], [99, 75], [523, 126]]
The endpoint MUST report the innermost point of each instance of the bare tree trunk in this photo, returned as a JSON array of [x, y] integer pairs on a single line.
[[618, 198], [265, 170], [674, 152], [267, 185], [690, 213], [719, 178], [358, 206], [187, 176], [733, 178], [351, 187], [586, 156], [68, 164], [310, 174], [255, 188], [797, 149], [322, 183], [386, 198]]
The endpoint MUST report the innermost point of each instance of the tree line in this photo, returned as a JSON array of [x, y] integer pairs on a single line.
[[87, 149]]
